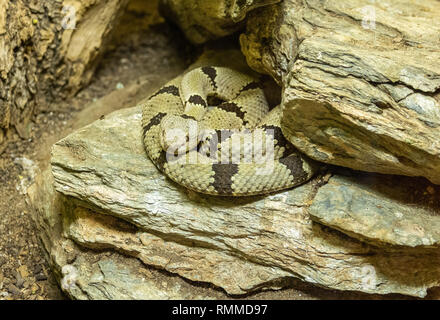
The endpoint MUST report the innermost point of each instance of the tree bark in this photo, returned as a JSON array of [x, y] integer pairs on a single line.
[[48, 51]]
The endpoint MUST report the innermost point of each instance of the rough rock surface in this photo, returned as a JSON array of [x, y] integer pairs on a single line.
[[263, 239], [361, 81], [98, 275], [203, 20], [47, 51], [198, 263], [104, 274], [381, 209]]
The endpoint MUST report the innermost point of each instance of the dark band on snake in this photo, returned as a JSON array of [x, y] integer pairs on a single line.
[[223, 177], [196, 99], [233, 107], [211, 73], [173, 90]]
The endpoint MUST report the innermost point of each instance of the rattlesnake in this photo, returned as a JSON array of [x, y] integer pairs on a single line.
[[180, 131]]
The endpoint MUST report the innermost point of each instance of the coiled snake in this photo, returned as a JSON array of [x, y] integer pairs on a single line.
[[235, 148]]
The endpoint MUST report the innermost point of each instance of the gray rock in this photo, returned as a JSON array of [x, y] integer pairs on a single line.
[[361, 81], [112, 278], [98, 275], [427, 108], [104, 167], [196, 263], [381, 209]]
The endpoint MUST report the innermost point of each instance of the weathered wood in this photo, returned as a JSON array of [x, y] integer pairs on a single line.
[[48, 50]]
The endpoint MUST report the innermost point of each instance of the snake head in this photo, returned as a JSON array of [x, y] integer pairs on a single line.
[[178, 134]]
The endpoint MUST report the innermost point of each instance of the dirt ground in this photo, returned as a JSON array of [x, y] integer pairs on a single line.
[[24, 273]]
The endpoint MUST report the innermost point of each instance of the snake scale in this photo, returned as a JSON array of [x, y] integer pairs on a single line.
[[211, 131]]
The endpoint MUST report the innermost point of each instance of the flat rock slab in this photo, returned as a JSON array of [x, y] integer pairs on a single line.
[[196, 263], [104, 167], [394, 210], [115, 277], [105, 274], [99, 274]]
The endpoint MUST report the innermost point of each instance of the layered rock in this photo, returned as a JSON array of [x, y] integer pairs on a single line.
[[240, 245], [361, 82], [98, 275], [380, 209]]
